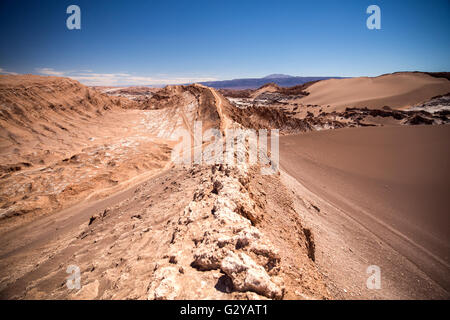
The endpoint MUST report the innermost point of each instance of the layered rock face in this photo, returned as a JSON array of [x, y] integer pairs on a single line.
[[62, 142]]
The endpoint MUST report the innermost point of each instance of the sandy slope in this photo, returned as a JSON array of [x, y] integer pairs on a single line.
[[396, 90], [394, 181]]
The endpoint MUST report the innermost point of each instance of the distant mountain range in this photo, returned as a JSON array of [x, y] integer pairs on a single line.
[[282, 80], [277, 76]]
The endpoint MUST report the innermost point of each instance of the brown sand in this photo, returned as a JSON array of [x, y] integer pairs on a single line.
[[392, 180]]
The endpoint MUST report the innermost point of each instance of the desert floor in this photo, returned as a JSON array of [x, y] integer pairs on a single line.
[[389, 182]]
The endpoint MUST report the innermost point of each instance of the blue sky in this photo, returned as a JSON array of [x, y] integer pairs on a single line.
[[151, 42]]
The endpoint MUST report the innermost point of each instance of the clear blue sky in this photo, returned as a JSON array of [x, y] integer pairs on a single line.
[[143, 42]]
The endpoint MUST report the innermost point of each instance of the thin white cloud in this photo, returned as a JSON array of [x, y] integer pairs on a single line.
[[113, 79], [3, 71], [50, 72]]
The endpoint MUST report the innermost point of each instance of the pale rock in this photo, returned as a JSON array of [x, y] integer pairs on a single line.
[[164, 285], [246, 275]]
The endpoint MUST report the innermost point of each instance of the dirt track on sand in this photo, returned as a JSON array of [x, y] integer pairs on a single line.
[[393, 182]]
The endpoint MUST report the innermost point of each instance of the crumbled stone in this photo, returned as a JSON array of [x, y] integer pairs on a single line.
[[246, 275], [164, 286]]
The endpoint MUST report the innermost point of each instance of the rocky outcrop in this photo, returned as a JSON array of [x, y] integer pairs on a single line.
[[218, 231]]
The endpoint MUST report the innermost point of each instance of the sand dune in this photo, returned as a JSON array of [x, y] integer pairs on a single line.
[[398, 90], [392, 180]]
